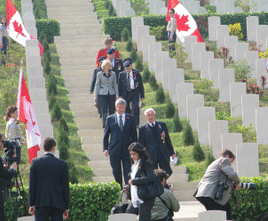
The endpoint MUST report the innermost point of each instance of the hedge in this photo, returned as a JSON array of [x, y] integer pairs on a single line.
[[87, 202], [49, 27], [114, 25]]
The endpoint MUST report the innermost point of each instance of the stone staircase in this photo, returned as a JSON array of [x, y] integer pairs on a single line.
[[77, 46]]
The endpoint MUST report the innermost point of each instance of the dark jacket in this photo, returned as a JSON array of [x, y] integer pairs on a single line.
[[94, 78], [153, 142], [144, 175], [49, 182], [122, 84], [118, 67]]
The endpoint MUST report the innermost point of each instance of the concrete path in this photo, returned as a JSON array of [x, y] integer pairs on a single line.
[[77, 46]]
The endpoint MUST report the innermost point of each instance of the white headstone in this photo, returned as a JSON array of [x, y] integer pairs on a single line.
[[220, 7], [204, 58], [215, 129], [135, 22], [229, 6], [158, 56], [262, 33], [183, 90], [247, 159], [226, 76], [253, 4], [166, 65], [251, 57], [189, 40], [175, 76], [193, 101], [252, 23], [129, 12], [152, 48], [122, 217], [201, 10], [236, 91], [37, 82], [249, 103], [158, 5], [213, 68], [262, 6], [197, 48], [238, 10], [145, 42], [261, 114], [213, 22], [260, 67], [204, 115], [194, 6], [240, 49], [26, 218], [163, 11], [229, 42], [215, 215], [142, 31], [222, 31]]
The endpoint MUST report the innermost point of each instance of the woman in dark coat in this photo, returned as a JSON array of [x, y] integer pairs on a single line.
[[142, 173]]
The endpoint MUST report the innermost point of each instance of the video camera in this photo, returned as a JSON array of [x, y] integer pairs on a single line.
[[12, 147], [219, 194]]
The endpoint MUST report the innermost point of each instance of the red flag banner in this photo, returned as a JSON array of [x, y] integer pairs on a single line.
[[27, 115], [15, 27], [186, 25]]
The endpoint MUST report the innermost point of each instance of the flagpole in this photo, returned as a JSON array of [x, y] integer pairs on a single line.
[[19, 88]]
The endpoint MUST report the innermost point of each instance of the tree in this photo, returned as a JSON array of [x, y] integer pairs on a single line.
[[124, 34], [160, 95], [63, 149], [198, 153], [210, 158], [169, 109], [129, 45], [47, 68], [187, 136], [177, 126], [133, 54], [51, 101], [153, 83], [56, 112], [138, 64], [146, 75], [63, 126]]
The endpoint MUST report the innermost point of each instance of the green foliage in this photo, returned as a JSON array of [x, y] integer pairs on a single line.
[[140, 7], [47, 56], [47, 67], [210, 158], [51, 101], [73, 173], [169, 109], [40, 9], [223, 115], [198, 153], [146, 75], [42, 38], [177, 126], [235, 30], [181, 56], [242, 69], [111, 10], [160, 95], [63, 126], [159, 32], [46, 46], [49, 27], [188, 136], [52, 85], [138, 64], [56, 112], [129, 45], [125, 35], [201, 85], [251, 203], [63, 137], [133, 54], [153, 82], [63, 149]]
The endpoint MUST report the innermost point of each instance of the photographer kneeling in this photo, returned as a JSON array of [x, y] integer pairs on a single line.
[[4, 176], [215, 187], [166, 204]]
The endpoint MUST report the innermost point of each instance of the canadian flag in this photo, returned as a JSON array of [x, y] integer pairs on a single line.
[[186, 25], [15, 27], [27, 115]]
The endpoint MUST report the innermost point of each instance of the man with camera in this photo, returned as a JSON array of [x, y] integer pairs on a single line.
[[215, 187], [166, 204], [4, 176]]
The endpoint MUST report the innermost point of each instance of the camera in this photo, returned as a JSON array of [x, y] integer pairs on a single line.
[[248, 186], [11, 147], [222, 186]]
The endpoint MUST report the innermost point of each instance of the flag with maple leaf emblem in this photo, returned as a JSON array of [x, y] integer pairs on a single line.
[[15, 27], [186, 25], [26, 114]]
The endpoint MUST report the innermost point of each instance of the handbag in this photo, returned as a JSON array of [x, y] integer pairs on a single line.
[[150, 190], [170, 211], [119, 207]]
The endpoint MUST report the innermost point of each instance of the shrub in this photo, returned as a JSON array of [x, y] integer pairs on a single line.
[[146, 75], [46, 46], [169, 109], [159, 32], [129, 45], [110, 10], [47, 67], [153, 83], [188, 136], [63, 149], [133, 54], [138, 64], [177, 126], [236, 30], [42, 38], [242, 69], [63, 137], [106, 4], [52, 85], [49, 27], [198, 153], [47, 56], [73, 173], [40, 9], [210, 158], [51, 101], [56, 112], [63, 126], [124, 35], [181, 56], [160, 95]]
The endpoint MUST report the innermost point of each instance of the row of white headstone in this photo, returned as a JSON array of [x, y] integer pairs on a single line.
[[36, 81], [210, 131], [123, 8]]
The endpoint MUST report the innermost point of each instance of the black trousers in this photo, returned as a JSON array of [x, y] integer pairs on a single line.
[[47, 213], [163, 163], [132, 99], [144, 209], [106, 101], [210, 204]]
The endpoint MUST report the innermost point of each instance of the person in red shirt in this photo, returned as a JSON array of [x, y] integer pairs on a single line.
[[103, 52]]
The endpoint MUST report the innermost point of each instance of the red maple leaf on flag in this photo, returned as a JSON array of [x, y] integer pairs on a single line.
[[18, 29], [181, 22]]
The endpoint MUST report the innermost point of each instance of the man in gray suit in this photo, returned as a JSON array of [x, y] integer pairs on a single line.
[[219, 170]]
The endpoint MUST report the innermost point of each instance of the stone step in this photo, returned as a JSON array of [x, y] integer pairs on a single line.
[[181, 178], [103, 171], [80, 67], [74, 61], [80, 25], [186, 219], [89, 99], [84, 107], [88, 139], [77, 77], [87, 131], [184, 195], [76, 19], [94, 38], [80, 31], [93, 125], [88, 120], [83, 113], [71, 8], [78, 84], [99, 164], [94, 150], [79, 46], [67, 2], [184, 186], [76, 73], [83, 52], [81, 95], [103, 179], [189, 211]]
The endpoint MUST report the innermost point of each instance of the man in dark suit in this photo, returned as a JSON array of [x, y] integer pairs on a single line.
[[117, 64], [5, 175], [49, 185], [122, 131], [131, 88], [154, 136], [93, 83]]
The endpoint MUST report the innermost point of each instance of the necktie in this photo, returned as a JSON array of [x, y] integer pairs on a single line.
[[121, 123]]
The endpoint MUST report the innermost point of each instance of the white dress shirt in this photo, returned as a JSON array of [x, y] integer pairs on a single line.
[[131, 79], [123, 118]]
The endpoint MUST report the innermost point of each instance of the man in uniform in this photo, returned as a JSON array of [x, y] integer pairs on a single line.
[[117, 64]]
